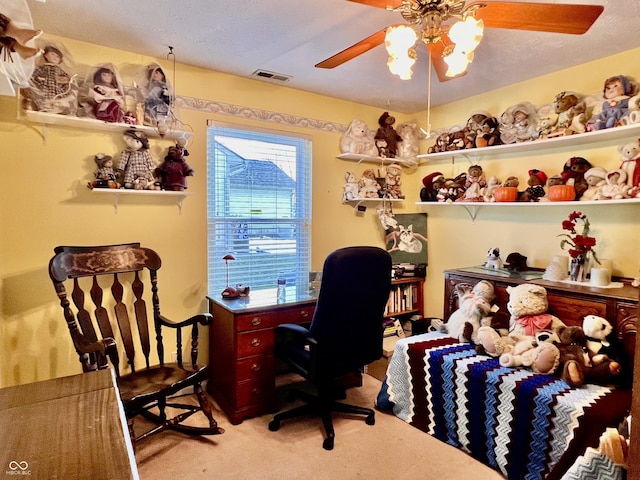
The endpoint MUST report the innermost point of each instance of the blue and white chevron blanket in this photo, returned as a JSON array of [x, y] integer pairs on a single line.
[[525, 425]]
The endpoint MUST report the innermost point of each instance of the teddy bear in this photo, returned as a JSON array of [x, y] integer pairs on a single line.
[[630, 153], [535, 191], [368, 185], [473, 185], [570, 108], [489, 134], [135, 160], [358, 139], [173, 172], [527, 307], [537, 352], [573, 172], [105, 175], [474, 308], [431, 184], [351, 188], [574, 360], [409, 147], [595, 178], [393, 182], [602, 351], [387, 132], [487, 192]]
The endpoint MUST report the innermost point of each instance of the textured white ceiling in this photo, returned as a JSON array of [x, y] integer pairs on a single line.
[[291, 36]]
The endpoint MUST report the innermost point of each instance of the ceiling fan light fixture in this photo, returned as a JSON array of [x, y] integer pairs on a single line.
[[401, 65], [398, 40], [458, 61], [467, 34]]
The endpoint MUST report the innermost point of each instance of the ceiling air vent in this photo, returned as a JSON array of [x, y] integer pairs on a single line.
[[271, 75]]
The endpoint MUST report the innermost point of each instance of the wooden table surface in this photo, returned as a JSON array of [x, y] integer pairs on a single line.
[[65, 428]]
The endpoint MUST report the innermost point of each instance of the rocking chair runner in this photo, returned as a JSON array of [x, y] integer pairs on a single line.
[[147, 390]]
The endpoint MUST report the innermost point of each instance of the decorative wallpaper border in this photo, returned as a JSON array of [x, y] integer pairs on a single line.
[[257, 114]]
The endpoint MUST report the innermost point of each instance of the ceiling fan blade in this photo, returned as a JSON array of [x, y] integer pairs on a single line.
[[439, 65], [379, 3], [354, 50], [541, 17]]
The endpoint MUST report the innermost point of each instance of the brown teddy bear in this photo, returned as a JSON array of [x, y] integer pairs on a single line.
[[574, 360], [535, 191], [387, 132]]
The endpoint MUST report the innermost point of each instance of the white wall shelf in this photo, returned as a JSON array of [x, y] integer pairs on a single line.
[[354, 157], [610, 136], [45, 119], [473, 207], [117, 192], [360, 204]]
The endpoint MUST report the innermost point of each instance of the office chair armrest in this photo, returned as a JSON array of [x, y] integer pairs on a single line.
[[291, 333], [201, 318]]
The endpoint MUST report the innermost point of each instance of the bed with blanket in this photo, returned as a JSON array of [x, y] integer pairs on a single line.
[[524, 425]]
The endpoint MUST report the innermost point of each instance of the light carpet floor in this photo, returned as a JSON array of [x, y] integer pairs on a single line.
[[390, 449]]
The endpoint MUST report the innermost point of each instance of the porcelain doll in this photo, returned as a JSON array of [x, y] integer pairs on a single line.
[[519, 123], [595, 178], [50, 87], [104, 94], [157, 96], [615, 108]]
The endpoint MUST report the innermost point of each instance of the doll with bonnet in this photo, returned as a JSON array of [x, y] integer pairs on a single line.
[[615, 108]]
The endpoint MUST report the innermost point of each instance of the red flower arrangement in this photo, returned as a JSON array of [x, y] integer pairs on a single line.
[[581, 245]]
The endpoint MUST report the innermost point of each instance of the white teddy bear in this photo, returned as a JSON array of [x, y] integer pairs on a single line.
[[358, 139], [351, 188], [630, 154]]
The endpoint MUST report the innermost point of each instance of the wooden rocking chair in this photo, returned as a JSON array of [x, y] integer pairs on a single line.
[[144, 390]]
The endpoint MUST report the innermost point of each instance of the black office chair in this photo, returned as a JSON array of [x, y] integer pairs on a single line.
[[345, 333]]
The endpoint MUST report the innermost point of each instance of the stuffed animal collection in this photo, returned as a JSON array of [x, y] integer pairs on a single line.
[[541, 342], [384, 182], [135, 168]]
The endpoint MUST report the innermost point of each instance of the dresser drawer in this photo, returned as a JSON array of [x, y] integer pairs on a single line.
[[253, 393], [257, 342], [258, 366], [259, 320]]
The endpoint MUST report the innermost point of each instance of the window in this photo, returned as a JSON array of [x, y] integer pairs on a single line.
[[258, 207]]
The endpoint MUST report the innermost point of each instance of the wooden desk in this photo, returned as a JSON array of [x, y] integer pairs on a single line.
[[241, 361], [71, 427]]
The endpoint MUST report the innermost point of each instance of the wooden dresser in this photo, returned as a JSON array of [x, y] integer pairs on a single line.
[[567, 301], [241, 361]]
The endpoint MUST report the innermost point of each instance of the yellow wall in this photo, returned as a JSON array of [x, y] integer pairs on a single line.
[[45, 202]]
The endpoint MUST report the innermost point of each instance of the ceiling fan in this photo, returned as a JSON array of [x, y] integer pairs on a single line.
[[432, 20]]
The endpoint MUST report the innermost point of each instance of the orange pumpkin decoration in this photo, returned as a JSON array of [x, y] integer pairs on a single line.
[[561, 193], [505, 194]]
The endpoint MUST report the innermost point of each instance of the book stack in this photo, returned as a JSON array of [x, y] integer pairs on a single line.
[[402, 298], [392, 332]]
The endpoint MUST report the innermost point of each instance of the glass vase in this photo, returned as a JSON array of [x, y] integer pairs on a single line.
[[577, 270]]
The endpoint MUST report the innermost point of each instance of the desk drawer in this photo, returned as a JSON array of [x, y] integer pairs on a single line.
[[256, 367], [258, 342], [254, 393], [258, 320]]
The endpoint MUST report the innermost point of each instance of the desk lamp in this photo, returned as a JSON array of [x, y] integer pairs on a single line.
[[229, 292]]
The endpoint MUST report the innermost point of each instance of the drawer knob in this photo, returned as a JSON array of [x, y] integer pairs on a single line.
[[255, 367], [255, 321], [255, 342], [304, 313], [256, 391]]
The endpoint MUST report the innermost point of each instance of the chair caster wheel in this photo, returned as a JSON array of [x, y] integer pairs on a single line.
[[328, 443], [274, 425], [371, 419]]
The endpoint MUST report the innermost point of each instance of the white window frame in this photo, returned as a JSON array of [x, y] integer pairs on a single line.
[[258, 223]]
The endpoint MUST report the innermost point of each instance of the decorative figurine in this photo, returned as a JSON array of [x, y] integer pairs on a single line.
[[388, 133], [519, 123], [105, 174], [103, 95], [50, 87], [174, 171], [615, 108], [157, 100], [135, 161]]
